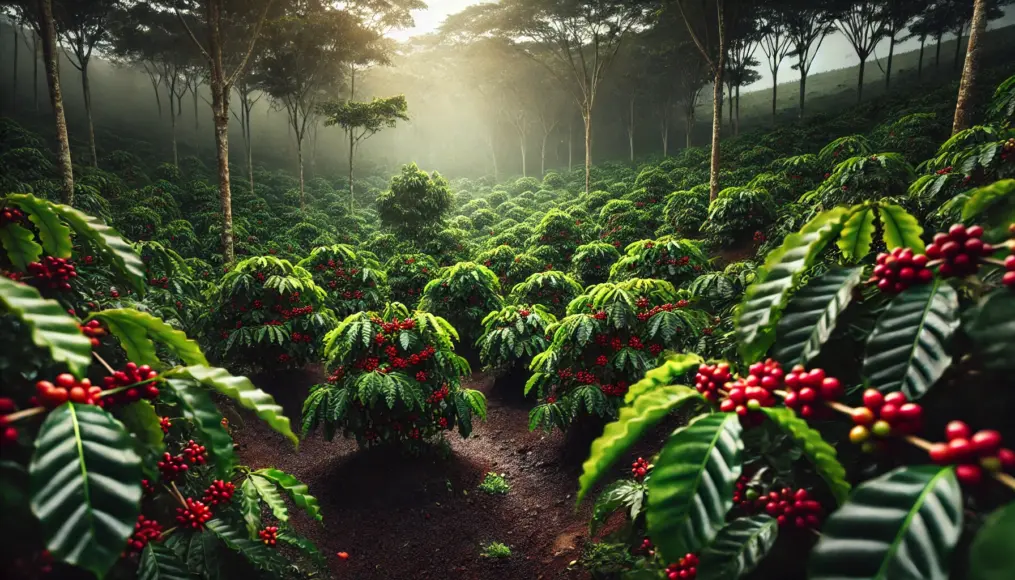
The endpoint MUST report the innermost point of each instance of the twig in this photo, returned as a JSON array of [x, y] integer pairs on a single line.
[[24, 414], [175, 492], [103, 361]]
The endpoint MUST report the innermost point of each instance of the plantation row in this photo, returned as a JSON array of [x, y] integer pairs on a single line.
[[855, 306]]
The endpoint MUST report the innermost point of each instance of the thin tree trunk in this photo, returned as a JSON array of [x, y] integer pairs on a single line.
[[803, 92], [197, 118], [688, 127], [775, 93], [542, 155], [630, 130], [664, 132], [86, 89], [570, 147], [493, 157], [521, 146], [730, 107], [958, 48], [220, 115], [299, 161], [14, 73], [155, 89], [35, 69], [587, 118], [919, 68], [888, 71], [52, 62], [859, 82], [736, 130], [250, 146], [172, 125], [713, 180], [937, 53], [967, 87], [352, 150]]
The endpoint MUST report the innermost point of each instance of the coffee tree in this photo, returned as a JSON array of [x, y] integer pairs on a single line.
[[351, 282], [395, 379], [116, 459], [756, 463]]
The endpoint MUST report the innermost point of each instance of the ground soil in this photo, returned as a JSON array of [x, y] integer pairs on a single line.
[[404, 517]]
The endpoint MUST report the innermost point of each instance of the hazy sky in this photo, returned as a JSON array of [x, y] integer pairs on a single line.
[[835, 52]]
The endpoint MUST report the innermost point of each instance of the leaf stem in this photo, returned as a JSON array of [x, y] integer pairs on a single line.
[[175, 492], [993, 262], [24, 414], [103, 361]]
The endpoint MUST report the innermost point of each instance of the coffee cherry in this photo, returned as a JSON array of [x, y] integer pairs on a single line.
[[807, 390], [710, 378], [859, 434], [145, 530], [269, 535], [639, 468], [194, 516], [219, 492], [957, 430], [972, 453], [898, 270], [960, 250], [969, 474], [684, 569], [52, 273]]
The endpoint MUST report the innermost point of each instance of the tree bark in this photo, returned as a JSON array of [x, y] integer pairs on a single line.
[[713, 179], [197, 119], [775, 94], [919, 68], [937, 53], [299, 162], [664, 132], [542, 154], [220, 116], [736, 128], [52, 62], [587, 118], [967, 87], [352, 150], [888, 71], [521, 146], [859, 82], [14, 73], [730, 107], [86, 90], [172, 123], [688, 127], [630, 129], [803, 92], [250, 146], [35, 69]]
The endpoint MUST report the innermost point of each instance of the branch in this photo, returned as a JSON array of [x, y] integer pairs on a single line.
[[250, 47], [192, 37]]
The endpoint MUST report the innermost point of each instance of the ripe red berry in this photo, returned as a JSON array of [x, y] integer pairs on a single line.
[[957, 430]]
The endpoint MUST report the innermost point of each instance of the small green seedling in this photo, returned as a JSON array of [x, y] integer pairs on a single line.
[[496, 550], [495, 484]]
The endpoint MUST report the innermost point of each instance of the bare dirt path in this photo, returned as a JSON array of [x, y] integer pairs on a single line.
[[406, 518]]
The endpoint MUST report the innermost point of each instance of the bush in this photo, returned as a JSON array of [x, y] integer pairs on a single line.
[[267, 313], [655, 182], [686, 211], [553, 289], [408, 274], [448, 246], [592, 262], [513, 335], [612, 335], [416, 203], [463, 294], [559, 232], [395, 379], [675, 260], [350, 282], [738, 213], [864, 179], [499, 261]]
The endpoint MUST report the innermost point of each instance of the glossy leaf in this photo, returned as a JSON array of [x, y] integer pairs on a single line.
[[160, 563], [241, 390], [820, 453], [908, 348], [270, 495], [625, 493], [53, 233], [138, 331], [142, 421], [107, 242], [691, 487], [255, 552], [765, 299], [632, 422], [197, 406], [903, 524], [739, 548], [901, 229], [250, 507], [202, 555], [811, 315], [857, 235], [20, 246], [674, 368], [991, 326], [86, 486], [991, 556], [297, 490], [48, 324]]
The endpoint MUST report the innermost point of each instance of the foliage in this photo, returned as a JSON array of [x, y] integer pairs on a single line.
[[352, 283], [494, 484], [496, 551], [738, 213], [669, 258], [592, 262], [463, 294], [553, 289], [395, 378], [408, 275], [415, 204]]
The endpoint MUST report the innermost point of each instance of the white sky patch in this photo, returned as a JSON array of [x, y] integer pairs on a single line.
[[430, 19]]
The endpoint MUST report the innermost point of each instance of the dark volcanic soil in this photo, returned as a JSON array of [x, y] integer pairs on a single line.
[[403, 517]]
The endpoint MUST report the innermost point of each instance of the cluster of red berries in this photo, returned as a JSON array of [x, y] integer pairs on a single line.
[[300, 337], [617, 390], [52, 273], [635, 343], [646, 548], [195, 453], [710, 378], [11, 214], [788, 507], [944, 171], [284, 358], [602, 360], [438, 395], [1009, 270], [684, 569], [130, 375], [194, 516], [165, 423], [806, 390], [269, 535], [145, 530], [162, 282], [960, 249], [900, 269], [67, 388], [585, 377], [8, 433], [94, 331], [759, 236], [421, 376], [884, 416], [972, 453], [747, 396], [639, 468], [368, 364], [219, 492], [171, 466], [297, 311]]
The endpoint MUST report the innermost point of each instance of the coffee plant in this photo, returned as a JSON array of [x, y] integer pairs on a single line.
[[352, 282], [755, 463], [265, 312], [592, 262], [408, 275], [463, 294], [675, 260], [515, 334], [116, 459], [612, 334], [553, 289], [394, 379]]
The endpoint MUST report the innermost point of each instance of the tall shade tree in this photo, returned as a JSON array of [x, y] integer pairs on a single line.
[[582, 36], [971, 69], [83, 26], [362, 120], [709, 24], [229, 31], [39, 15], [379, 17], [863, 24], [249, 95], [301, 65], [808, 23], [897, 16], [744, 43], [776, 44]]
